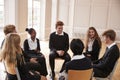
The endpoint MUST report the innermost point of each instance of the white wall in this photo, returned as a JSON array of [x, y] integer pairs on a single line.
[[16, 14], [10, 13], [77, 15], [101, 14]]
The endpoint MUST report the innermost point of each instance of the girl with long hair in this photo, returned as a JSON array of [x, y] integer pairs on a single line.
[[12, 56], [33, 50], [93, 44]]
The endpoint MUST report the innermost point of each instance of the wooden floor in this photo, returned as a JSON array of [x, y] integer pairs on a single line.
[[45, 51]]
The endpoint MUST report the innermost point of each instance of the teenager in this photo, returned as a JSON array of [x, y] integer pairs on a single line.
[[93, 44], [13, 58], [59, 45], [32, 50], [104, 66]]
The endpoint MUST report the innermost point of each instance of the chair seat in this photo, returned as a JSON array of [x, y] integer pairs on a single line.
[[80, 74]]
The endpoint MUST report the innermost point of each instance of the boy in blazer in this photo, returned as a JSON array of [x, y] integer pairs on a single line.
[[104, 66]]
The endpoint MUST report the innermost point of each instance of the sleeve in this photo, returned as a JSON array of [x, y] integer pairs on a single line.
[[66, 67], [38, 45], [51, 43], [96, 49], [109, 60], [66, 43], [27, 58]]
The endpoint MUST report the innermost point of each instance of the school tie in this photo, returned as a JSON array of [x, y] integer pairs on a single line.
[[106, 51]]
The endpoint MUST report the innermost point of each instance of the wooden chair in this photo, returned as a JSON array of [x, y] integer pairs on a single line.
[[80, 74], [111, 74]]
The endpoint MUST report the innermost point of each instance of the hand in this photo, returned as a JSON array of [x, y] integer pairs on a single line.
[[60, 52], [37, 72], [88, 55], [31, 73], [43, 78], [37, 51], [33, 60]]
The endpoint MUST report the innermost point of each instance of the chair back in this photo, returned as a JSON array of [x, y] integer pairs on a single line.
[[79, 74], [17, 74]]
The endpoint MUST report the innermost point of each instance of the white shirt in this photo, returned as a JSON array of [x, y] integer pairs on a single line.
[[59, 34], [78, 57], [109, 46], [32, 44], [90, 44]]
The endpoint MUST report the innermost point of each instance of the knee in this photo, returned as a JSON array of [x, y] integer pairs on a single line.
[[51, 55]]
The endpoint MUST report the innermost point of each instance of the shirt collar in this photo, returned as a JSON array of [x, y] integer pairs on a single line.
[[78, 57], [109, 46], [59, 34], [32, 40]]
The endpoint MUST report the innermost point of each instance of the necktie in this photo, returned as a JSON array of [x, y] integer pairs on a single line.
[[106, 51]]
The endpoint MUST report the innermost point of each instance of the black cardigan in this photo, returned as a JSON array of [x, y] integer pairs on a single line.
[[59, 42], [95, 50]]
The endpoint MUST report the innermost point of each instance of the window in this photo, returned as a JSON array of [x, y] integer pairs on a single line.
[[1, 20], [1, 13], [34, 14]]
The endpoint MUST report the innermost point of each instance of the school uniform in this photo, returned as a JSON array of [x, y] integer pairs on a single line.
[[29, 48], [79, 62], [104, 66]]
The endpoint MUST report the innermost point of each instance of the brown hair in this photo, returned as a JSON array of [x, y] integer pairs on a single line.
[[30, 30], [11, 47], [110, 33], [59, 23], [9, 29], [96, 36]]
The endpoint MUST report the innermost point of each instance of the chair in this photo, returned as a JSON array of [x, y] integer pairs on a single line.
[[17, 73], [80, 74], [111, 74]]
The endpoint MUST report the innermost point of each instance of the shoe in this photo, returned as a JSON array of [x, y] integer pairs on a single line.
[[61, 78]]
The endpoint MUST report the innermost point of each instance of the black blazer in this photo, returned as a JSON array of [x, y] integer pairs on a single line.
[[27, 48], [107, 62], [95, 50], [79, 64]]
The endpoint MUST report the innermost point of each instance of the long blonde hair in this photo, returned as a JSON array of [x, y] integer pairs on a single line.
[[10, 48], [95, 37]]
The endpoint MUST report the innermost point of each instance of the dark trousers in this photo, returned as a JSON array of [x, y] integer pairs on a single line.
[[43, 69], [33, 66], [41, 60], [54, 55]]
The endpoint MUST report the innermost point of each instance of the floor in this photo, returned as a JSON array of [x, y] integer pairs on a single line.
[[45, 51]]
